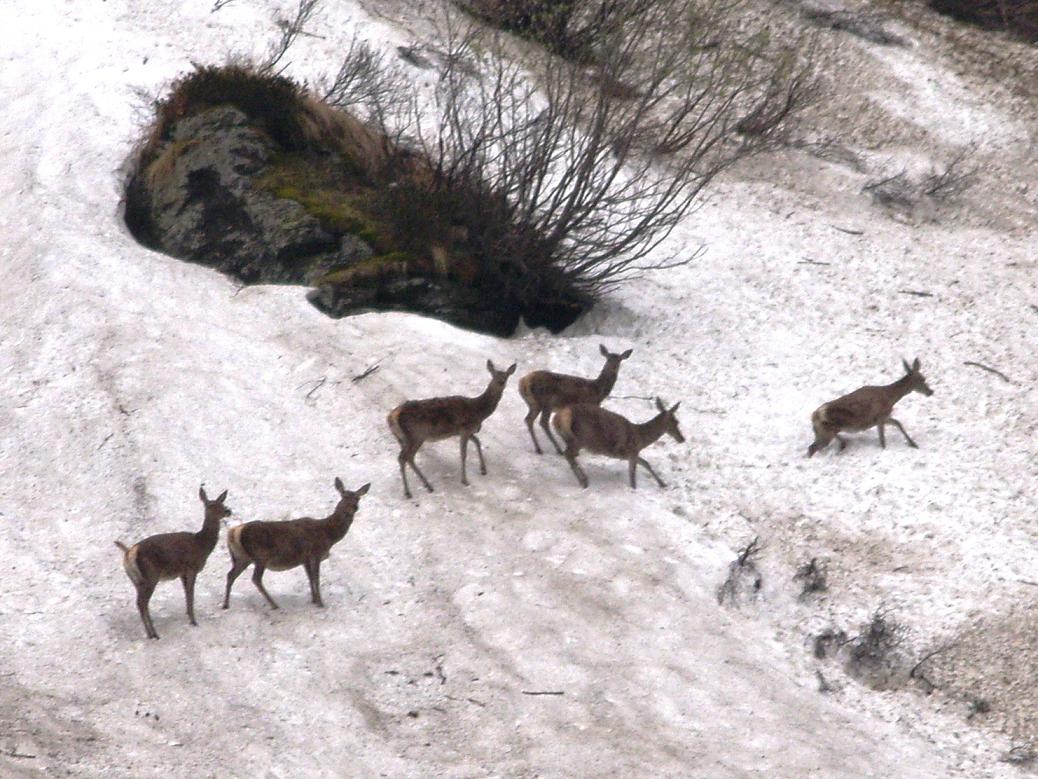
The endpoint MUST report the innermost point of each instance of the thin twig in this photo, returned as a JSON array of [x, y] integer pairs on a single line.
[[542, 692], [989, 369], [367, 372], [847, 230], [105, 441], [319, 383], [813, 262], [917, 293], [927, 656]]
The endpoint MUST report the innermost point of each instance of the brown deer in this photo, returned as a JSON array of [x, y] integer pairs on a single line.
[[864, 408], [171, 555], [545, 392], [414, 422], [587, 426], [280, 546]]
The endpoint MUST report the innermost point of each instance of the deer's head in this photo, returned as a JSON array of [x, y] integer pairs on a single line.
[[349, 500], [498, 379], [672, 429], [613, 359], [214, 508], [917, 383]]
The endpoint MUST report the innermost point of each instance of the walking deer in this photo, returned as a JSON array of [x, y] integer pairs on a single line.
[[280, 546], [171, 555], [545, 392], [864, 408], [587, 426], [414, 422]]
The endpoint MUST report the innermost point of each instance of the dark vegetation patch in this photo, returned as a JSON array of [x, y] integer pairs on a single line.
[[521, 192], [1019, 17]]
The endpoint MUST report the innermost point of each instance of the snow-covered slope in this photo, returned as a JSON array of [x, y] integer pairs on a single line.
[[127, 378]]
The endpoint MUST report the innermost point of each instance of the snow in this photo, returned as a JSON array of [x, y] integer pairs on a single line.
[[128, 378]]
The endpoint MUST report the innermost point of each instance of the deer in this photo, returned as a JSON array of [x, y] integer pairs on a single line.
[[865, 408], [545, 392], [281, 546], [600, 431], [171, 555], [414, 422]]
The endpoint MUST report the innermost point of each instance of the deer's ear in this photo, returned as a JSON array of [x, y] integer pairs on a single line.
[[603, 350], [363, 490], [915, 364], [201, 495], [675, 407], [908, 368], [490, 366], [511, 369], [626, 354], [659, 404], [339, 486], [223, 497]]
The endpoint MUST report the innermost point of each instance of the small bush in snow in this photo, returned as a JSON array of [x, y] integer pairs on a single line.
[[812, 577], [744, 580]]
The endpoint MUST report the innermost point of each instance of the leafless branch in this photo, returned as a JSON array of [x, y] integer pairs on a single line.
[[290, 30]]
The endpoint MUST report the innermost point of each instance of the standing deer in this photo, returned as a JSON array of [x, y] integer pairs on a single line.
[[864, 408], [414, 422], [586, 426], [171, 555], [545, 392], [280, 546]]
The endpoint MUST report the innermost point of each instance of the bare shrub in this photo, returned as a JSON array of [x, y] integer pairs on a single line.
[[874, 656], [828, 643], [744, 580], [812, 577], [956, 177], [1021, 755], [564, 190], [901, 193], [290, 30]]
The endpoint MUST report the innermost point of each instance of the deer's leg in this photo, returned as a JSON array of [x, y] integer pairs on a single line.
[[464, 451], [842, 440], [911, 443], [257, 579], [313, 573], [188, 580], [144, 591], [479, 451], [408, 455], [237, 566], [882, 438], [571, 457], [642, 462], [530, 416], [547, 430], [632, 467], [317, 582]]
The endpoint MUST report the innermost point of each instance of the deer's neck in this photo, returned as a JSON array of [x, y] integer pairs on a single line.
[[210, 532], [650, 431], [487, 402], [337, 525], [900, 388], [606, 379]]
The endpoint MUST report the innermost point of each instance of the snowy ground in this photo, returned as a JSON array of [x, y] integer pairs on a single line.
[[127, 378]]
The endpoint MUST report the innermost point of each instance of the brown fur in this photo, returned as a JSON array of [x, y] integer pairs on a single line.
[[414, 422], [280, 546], [173, 555], [866, 407], [545, 392], [600, 431]]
